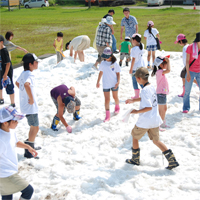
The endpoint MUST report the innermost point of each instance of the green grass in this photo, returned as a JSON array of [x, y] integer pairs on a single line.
[[35, 29]]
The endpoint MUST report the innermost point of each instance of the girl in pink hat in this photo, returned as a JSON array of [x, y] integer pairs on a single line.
[[149, 35]]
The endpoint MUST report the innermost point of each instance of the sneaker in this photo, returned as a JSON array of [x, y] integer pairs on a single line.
[[1, 101], [185, 111], [13, 105]]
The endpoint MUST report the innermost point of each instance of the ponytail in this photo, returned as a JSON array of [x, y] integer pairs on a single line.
[[113, 59], [154, 71], [149, 28], [141, 46], [138, 39]]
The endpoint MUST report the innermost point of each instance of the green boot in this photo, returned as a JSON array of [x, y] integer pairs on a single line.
[[171, 159], [135, 160]]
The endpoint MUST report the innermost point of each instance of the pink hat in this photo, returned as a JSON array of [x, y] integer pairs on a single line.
[[179, 37], [150, 23], [136, 34]]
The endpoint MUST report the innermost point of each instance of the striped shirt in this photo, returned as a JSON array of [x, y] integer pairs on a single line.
[[104, 35], [129, 24]]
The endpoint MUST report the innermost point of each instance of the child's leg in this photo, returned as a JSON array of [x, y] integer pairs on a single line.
[[115, 97], [107, 100], [160, 145], [135, 143], [148, 59], [12, 98], [81, 56], [33, 133], [162, 111], [27, 193], [153, 56]]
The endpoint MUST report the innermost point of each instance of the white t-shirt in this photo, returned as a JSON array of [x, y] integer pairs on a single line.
[[150, 39], [109, 74], [76, 42], [25, 107], [8, 155], [150, 119], [184, 54], [138, 55]]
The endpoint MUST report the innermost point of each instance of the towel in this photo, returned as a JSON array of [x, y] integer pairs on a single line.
[[6, 82], [195, 50], [126, 116]]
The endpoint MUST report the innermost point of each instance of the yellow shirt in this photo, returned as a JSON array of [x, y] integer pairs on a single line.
[[58, 44]]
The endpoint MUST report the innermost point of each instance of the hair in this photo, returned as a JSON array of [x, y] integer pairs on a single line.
[[138, 39], [26, 66], [113, 59], [184, 41], [149, 28], [67, 44], [111, 10], [59, 34], [127, 40], [8, 35], [155, 68], [2, 123], [126, 9]]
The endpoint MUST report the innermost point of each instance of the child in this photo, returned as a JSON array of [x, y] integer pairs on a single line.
[[125, 49], [10, 181], [148, 121], [110, 71], [192, 71], [181, 39], [27, 97], [151, 44], [58, 45], [162, 90], [65, 98], [6, 72], [137, 60]]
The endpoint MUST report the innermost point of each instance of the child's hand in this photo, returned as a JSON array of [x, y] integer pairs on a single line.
[[129, 101], [116, 85], [130, 71], [98, 85], [166, 59], [32, 151], [4, 77], [31, 101], [134, 111]]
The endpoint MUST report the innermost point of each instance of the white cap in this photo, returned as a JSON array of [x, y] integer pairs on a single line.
[[158, 61]]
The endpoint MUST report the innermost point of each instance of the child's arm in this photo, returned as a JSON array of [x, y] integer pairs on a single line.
[[54, 44], [75, 55], [25, 146], [6, 71], [158, 36], [145, 38], [118, 80], [188, 77], [61, 47], [120, 47], [129, 49], [71, 51], [99, 78], [168, 66], [71, 91], [143, 110], [132, 64], [22, 49], [112, 29], [128, 101], [17, 84], [29, 93]]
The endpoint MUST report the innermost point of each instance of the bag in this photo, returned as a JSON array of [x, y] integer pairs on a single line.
[[157, 42]]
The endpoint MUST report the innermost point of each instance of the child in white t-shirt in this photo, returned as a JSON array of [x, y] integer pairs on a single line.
[[10, 181], [148, 121], [27, 97], [110, 70], [151, 44], [163, 65], [137, 60]]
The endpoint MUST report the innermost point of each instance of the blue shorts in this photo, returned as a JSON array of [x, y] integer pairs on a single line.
[[113, 89], [162, 99], [151, 47], [32, 120]]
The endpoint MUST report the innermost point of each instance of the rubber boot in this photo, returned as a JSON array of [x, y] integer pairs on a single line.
[[182, 95], [117, 108], [36, 148], [137, 94], [120, 63], [126, 63], [135, 160], [76, 115], [27, 154], [171, 159], [107, 116], [55, 122]]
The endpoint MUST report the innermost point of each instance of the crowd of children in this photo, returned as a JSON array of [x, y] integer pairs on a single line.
[[153, 102]]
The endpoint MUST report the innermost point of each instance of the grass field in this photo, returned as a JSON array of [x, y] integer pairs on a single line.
[[35, 29]]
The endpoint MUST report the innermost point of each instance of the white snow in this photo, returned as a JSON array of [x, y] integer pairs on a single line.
[[89, 163]]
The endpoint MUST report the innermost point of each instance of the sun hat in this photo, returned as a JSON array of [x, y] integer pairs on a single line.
[[9, 113], [127, 38], [158, 61], [150, 23], [142, 72], [179, 37], [70, 104], [136, 34], [197, 39], [30, 58], [1, 38], [107, 52], [109, 20]]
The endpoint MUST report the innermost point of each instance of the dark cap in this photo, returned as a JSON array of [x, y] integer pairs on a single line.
[[30, 58], [1, 38], [197, 39], [126, 9]]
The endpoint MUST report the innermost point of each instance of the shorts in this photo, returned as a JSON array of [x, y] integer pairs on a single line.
[[122, 55], [85, 44], [77, 101], [12, 184], [32, 120], [59, 56], [113, 89], [153, 133], [162, 99], [152, 47], [100, 52], [183, 73]]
